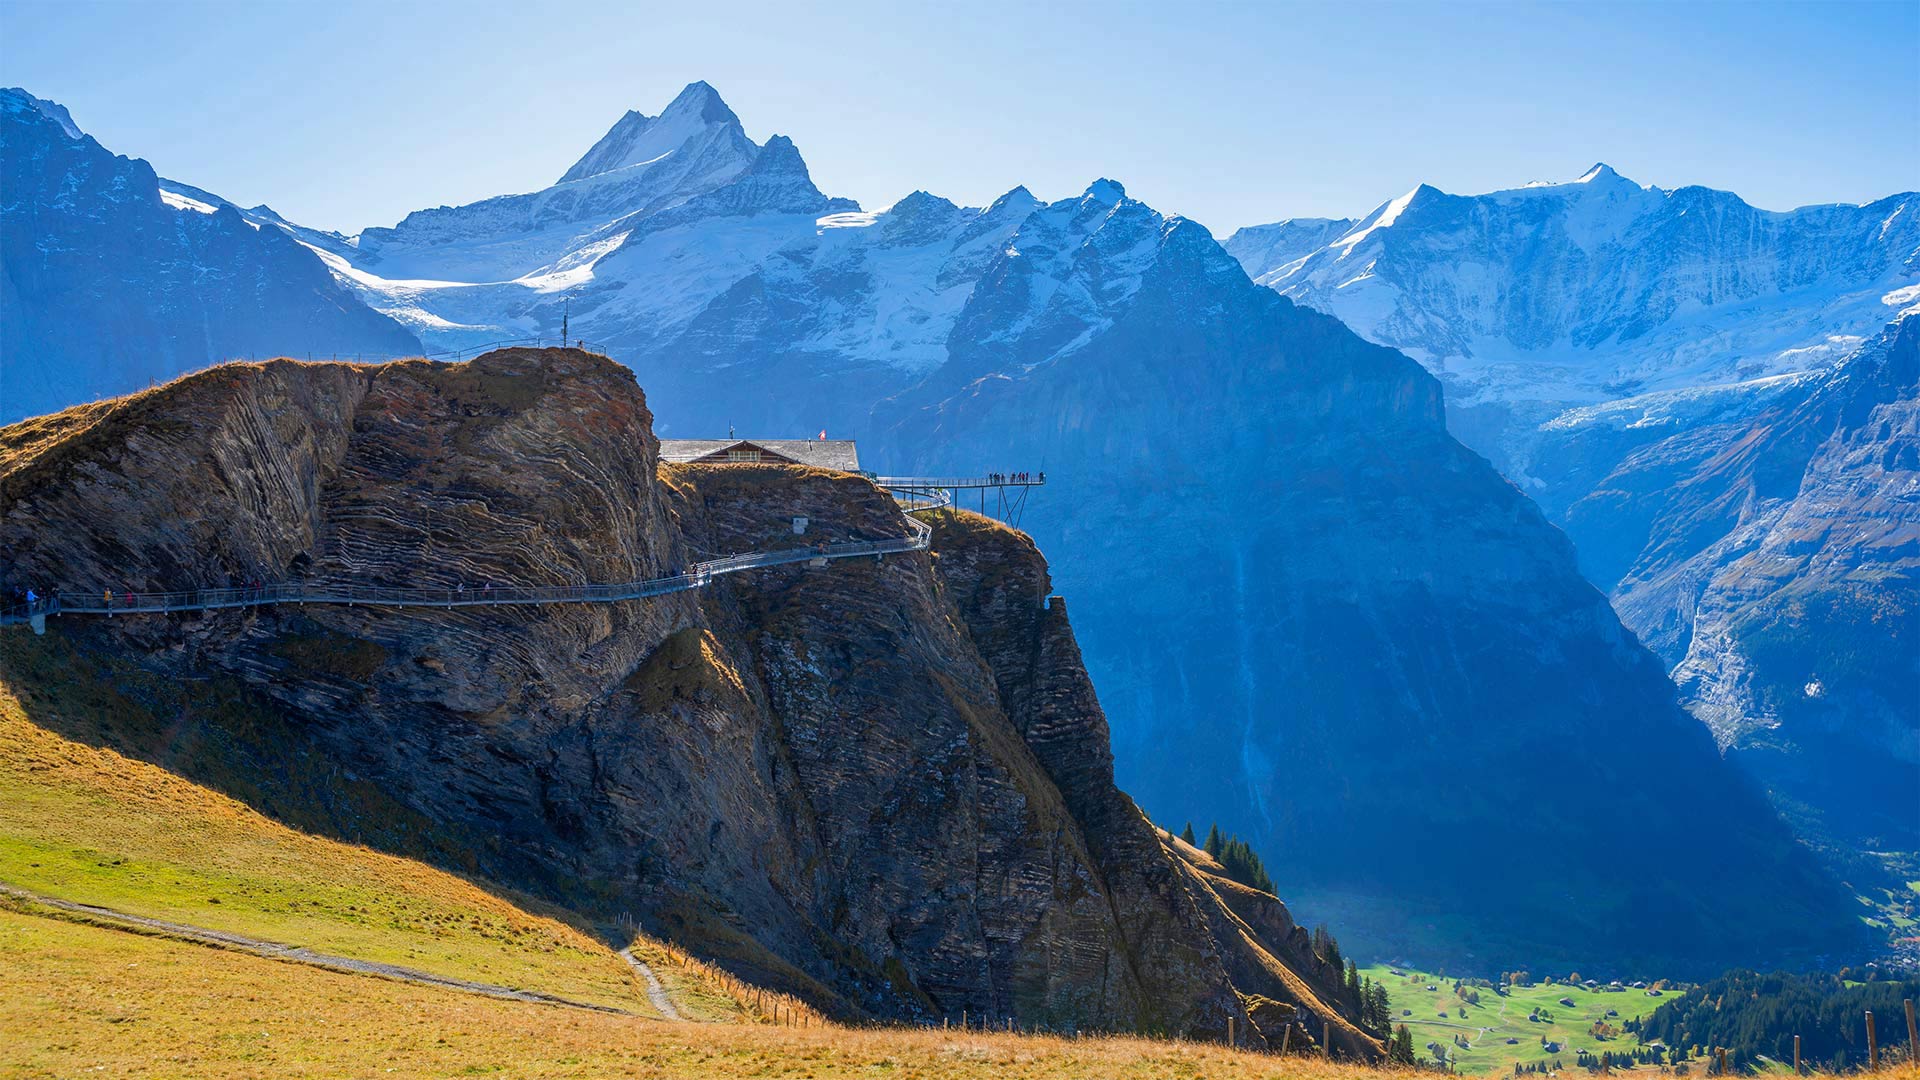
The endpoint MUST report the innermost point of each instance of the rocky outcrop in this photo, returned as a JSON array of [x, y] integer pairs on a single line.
[[882, 784], [998, 581]]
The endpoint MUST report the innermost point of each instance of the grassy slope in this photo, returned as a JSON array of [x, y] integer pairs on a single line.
[[126, 1005], [89, 825], [1570, 1027]]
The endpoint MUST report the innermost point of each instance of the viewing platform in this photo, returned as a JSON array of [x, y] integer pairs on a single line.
[[1009, 490], [963, 483]]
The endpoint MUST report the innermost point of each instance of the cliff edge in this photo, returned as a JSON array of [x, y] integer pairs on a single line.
[[884, 784]]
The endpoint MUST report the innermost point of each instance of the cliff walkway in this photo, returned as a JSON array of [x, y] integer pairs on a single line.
[[1008, 490], [698, 575]]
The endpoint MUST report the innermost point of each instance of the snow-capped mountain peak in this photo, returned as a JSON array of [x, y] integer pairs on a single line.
[[15, 100], [1382, 217], [1016, 203], [1601, 173], [692, 160], [779, 155], [640, 140], [1589, 290]]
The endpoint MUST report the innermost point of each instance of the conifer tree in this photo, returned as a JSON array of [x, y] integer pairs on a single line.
[[1400, 1050]]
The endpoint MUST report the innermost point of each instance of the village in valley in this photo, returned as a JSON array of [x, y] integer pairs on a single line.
[[1523, 1024]]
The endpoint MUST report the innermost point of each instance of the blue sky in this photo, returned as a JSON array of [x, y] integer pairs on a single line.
[[345, 115]]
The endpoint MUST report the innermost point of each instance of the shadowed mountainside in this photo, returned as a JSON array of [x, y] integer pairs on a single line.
[[107, 283], [883, 785]]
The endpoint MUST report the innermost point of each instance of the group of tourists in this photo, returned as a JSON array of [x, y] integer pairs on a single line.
[[1017, 478]]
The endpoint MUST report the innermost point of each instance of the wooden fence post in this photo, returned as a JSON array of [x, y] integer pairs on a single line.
[[1230, 1031], [1873, 1047], [1913, 1036], [1796, 1056], [1286, 1036]]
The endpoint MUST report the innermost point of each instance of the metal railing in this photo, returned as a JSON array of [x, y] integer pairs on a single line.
[[950, 483], [105, 602]]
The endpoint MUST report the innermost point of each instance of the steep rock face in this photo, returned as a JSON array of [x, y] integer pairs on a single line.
[[1308, 603], [1773, 565], [1022, 631], [823, 778], [107, 284]]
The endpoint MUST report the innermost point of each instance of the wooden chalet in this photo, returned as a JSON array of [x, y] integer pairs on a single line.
[[820, 453]]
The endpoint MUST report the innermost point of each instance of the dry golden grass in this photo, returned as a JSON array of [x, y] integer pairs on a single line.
[[89, 825], [958, 519], [85, 1000]]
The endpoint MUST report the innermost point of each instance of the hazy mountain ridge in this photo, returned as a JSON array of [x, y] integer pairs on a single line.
[[606, 250], [109, 281]]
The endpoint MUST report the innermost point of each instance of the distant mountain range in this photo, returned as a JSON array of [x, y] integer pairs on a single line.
[[1664, 372], [1534, 300], [109, 282], [1310, 612]]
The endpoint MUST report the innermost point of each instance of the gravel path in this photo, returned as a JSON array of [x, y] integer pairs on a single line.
[[297, 954], [656, 992]]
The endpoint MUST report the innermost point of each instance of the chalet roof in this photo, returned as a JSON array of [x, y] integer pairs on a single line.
[[823, 453]]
